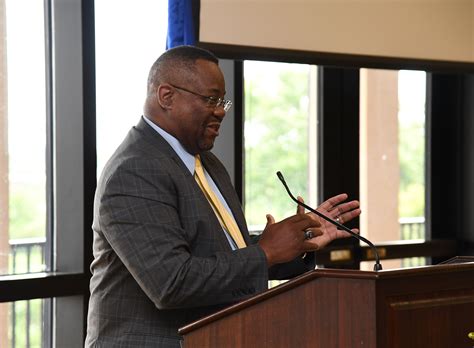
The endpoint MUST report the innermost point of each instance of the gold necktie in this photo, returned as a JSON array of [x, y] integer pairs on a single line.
[[226, 220]]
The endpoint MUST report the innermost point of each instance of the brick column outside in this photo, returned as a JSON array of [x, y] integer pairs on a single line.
[[379, 163]]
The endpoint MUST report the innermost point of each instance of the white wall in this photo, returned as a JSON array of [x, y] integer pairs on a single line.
[[420, 29]]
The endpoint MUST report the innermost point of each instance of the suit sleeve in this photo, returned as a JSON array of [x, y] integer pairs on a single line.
[[154, 225]]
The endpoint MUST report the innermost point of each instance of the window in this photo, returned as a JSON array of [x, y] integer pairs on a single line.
[[279, 135], [23, 140], [42, 160], [23, 173]]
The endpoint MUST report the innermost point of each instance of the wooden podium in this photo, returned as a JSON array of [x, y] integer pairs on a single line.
[[429, 306]]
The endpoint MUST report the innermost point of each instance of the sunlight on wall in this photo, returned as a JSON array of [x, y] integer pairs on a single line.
[[128, 41]]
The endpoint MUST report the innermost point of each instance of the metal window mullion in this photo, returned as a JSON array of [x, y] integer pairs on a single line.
[[47, 251], [68, 163]]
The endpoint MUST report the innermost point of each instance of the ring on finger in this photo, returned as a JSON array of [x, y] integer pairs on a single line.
[[338, 219], [308, 234]]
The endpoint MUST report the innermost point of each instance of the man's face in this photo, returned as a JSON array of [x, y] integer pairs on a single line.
[[197, 123]]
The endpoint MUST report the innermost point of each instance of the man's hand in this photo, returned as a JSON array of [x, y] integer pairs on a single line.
[[336, 209], [283, 241]]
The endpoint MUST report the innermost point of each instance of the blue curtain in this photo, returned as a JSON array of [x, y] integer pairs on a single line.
[[181, 26]]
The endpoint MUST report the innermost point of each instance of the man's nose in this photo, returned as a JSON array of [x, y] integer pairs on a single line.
[[219, 111]]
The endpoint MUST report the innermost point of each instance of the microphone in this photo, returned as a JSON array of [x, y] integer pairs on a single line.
[[377, 266]]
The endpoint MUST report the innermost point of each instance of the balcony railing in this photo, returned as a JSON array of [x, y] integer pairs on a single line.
[[27, 255], [412, 228]]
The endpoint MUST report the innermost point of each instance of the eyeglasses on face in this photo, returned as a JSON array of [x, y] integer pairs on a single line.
[[211, 101]]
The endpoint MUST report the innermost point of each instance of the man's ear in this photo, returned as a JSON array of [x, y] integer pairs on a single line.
[[164, 94]]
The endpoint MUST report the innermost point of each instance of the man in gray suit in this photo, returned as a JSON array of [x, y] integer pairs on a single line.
[[162, 257]]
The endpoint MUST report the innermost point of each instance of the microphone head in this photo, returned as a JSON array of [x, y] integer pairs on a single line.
[[280, 176]]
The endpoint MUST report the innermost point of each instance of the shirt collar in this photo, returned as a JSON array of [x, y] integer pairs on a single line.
[[185, 156]]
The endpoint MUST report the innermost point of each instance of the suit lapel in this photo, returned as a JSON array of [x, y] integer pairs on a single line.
[[154, 138]]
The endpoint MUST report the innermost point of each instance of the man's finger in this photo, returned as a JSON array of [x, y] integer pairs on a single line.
[[300, 208], [333, 201], [305, 221], [270, 219], [348, 216], [310, 245]]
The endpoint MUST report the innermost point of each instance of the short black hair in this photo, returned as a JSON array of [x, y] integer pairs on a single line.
[[180, 58]]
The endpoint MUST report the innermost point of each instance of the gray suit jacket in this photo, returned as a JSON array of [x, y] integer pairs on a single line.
[[161, 259]]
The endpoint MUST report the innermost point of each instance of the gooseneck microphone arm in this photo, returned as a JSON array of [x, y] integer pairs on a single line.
[[377, 266]]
